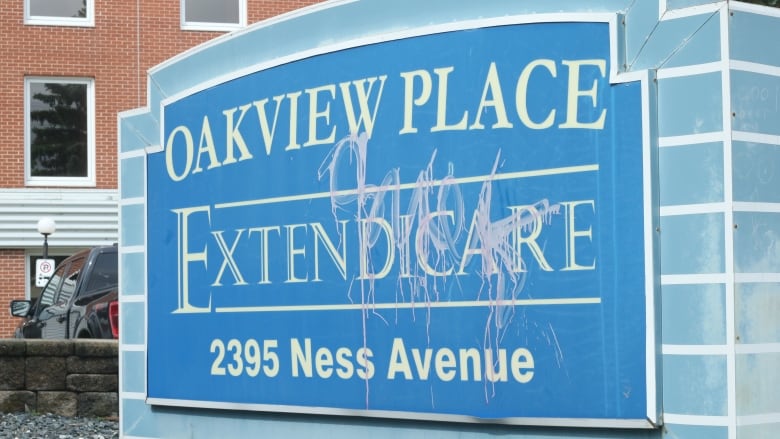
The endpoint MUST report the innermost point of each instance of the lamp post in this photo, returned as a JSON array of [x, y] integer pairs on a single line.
[[46, 227]]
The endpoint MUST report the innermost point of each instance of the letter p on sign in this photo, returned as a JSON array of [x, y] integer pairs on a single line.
[[43, 271]]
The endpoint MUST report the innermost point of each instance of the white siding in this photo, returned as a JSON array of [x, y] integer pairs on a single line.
[[84, 217]]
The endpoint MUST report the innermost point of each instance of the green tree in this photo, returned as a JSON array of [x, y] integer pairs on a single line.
[[59, 130]]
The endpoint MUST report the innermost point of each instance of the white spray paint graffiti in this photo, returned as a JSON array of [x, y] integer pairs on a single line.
[[438, 229]]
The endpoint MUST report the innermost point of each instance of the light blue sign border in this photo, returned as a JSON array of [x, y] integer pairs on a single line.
[[647, 235]]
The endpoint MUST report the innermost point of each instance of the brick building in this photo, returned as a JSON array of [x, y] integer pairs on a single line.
[[67, 68]]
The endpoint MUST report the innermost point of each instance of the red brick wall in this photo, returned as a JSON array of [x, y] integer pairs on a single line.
[[12, 267], [129, 37], [161, 36], [117, 52]]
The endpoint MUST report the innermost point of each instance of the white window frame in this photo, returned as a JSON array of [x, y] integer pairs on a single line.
[[89, 179], [211, 26], [43, 20]]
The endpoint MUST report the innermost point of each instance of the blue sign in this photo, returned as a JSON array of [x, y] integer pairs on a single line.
[[448, 226]]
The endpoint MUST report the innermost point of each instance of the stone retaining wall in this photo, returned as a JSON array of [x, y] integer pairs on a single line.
[[64, 377]]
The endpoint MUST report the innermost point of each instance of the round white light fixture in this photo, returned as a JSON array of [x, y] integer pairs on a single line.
[[46, 226]]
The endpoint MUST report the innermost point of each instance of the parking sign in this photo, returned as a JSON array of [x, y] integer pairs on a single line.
[[43, 270]]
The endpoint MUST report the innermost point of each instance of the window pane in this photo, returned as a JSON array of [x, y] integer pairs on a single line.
[[58, 129], [211, 11], [69, 282], [103, 273], [47, 296], [58, 8]]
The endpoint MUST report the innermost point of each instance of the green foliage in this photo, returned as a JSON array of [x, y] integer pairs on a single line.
[[59, 131]]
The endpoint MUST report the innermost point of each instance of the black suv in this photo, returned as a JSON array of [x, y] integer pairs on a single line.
[[79, 301]]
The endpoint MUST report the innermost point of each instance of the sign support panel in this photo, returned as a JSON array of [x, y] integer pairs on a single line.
[[445, 226]]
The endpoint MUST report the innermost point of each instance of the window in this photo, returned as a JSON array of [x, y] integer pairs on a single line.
[[69, 281], [48, 295], [59, 132], [59, 12], [104, 273], [223, 15]]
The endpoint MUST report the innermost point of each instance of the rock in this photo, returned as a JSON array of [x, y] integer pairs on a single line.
[[59, 403], [16, 401]]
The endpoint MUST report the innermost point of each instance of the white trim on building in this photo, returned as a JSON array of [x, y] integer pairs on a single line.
[[84, 217]]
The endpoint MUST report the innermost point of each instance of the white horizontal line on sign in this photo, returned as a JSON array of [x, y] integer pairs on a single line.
[[686, 349], [685, 419], [415, 185], [408, 305]]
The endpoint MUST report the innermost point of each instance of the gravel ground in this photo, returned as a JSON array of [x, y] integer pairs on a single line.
[[48, 426]]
